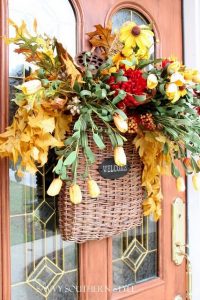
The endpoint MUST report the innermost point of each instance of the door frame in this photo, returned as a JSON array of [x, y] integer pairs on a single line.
[[5, 266], [87, 259]]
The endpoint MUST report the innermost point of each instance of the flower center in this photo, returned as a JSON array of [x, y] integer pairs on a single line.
[[136, 30], [181, 88]]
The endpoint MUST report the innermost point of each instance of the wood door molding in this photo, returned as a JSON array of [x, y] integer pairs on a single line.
[[78, 11], [4, 180], [94, 258]]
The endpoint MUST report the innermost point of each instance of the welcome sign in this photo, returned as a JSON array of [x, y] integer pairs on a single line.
[[109, 170]]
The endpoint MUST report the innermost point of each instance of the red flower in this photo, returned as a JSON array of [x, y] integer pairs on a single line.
[[198, 110], [135, 85]]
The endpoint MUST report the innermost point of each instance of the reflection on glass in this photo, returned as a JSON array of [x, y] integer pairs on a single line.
[[135, 252], [125, 15], [43, 266], [135, 255]]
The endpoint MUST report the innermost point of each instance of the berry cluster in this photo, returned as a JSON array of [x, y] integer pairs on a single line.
[[135, 85], [147, 121], [144, 121], [133, 124]]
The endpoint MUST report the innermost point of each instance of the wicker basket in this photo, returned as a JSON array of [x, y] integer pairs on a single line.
[[118, 208]]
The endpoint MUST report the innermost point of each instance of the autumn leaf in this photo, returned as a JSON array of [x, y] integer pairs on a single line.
[[101, 37], [150, 148], [62, 125], [35, 25], [43, 121], [67, 64]]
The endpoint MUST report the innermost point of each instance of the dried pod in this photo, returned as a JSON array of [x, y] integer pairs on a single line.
[[94, 60]]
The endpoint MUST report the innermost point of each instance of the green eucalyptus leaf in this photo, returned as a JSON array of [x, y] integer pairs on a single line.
[[129, 63], [98, 141], [121, 95], [85, 93], [121, 79], [77, 125], [107, 118], [112, 139], [88, 74], [105, 65], [70, 159], [90, 155], [162, 88], [140, 98], [101, 94], [121, 113], [175, 172], [173, 133], [77, 87], [195, 165], [119, 73], [119, 139], [166, 148], [58, 167]]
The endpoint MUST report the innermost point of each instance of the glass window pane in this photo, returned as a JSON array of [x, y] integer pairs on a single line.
[[135, 252], [43, 266]]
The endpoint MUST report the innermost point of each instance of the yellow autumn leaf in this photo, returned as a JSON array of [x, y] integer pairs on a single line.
[[43, 121], [62, 125], [68, 65], [35, 25], [35, 153], [150, 147], [43, 156]]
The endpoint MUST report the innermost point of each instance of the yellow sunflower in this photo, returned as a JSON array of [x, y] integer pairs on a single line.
[[142, 53], [133, 35], [124, 54]]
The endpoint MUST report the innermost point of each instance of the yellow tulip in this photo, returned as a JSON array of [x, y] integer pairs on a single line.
[[119, 156], [93, 188], [196, 182], [198, 163], [180, 184], [120, 123], [54, 187], [178, 79], [172, 92], [188, 73], [75, 194], [173, 67], [31, 87], [152, 81], [196, 77]]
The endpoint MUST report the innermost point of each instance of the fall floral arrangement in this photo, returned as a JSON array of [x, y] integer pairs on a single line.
[[118, 84]]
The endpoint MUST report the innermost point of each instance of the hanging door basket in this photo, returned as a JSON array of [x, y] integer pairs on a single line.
[[118, 208]]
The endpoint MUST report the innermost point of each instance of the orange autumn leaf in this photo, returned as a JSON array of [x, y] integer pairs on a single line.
[[67, 64], [101, 37]]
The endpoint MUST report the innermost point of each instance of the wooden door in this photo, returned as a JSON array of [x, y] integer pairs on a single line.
[[97, 268], [160, 279]]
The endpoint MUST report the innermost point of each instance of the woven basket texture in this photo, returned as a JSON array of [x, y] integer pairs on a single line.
[[117, 209]]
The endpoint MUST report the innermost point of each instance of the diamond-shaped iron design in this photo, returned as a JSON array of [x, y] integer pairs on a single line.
[[44, 212], [45, 276], [134, 255]]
